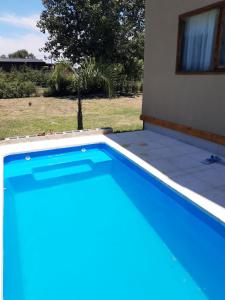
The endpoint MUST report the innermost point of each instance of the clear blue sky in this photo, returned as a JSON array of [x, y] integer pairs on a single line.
[[21, 7], [17, 26]]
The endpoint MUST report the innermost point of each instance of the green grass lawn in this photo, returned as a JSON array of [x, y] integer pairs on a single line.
[[45, 115]]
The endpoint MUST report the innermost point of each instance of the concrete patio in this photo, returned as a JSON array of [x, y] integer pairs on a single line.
[[181, 162]]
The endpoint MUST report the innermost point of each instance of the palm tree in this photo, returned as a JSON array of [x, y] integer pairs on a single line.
[[85, 76], [60, 77]]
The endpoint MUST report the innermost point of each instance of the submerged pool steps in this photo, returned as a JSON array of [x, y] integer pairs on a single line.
[[62, 170], [56, 161]]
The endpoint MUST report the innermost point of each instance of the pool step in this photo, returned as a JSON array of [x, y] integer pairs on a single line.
[[56, 161], [67, 170]]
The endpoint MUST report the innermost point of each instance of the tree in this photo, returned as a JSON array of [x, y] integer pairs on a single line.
[[82, 78], [112, 31], [21, 54]]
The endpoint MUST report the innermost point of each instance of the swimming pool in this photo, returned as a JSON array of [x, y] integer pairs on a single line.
[[87, 223]]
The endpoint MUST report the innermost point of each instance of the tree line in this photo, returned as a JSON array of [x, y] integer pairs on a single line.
[[23, 53]]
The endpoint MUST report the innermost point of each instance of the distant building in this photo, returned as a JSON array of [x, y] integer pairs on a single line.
[[7, 64]]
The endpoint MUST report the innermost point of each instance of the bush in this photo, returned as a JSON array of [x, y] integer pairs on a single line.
[[16, 88], [61, 81], [120, 83], [28, 88], [22, 83], [38, 77], [129, 88]]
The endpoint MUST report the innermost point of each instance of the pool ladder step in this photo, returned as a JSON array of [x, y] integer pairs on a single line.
[[62, 170]]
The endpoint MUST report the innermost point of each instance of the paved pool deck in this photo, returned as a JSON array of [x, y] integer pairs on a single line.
[[179, 161]]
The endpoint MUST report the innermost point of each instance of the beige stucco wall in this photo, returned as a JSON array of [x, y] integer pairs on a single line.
[[193, 100]]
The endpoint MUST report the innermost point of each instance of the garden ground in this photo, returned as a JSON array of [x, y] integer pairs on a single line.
[[44, 115]]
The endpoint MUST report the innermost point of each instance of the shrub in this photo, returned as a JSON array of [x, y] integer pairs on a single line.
[[22, 83], [16, 88], [38, 77], [61, 81], [28, 88]]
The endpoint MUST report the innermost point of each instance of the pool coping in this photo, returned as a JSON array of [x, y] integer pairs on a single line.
[[32, 146]]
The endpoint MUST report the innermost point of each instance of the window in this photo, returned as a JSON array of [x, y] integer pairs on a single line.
[[201, 40], [222, 48]]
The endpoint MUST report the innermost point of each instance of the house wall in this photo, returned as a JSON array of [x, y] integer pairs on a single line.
[[197, 101]]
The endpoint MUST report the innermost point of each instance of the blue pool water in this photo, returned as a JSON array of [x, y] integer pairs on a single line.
[[87, 224]]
